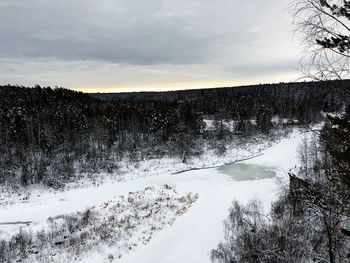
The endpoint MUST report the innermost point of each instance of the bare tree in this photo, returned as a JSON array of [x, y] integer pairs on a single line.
[[324, 27]]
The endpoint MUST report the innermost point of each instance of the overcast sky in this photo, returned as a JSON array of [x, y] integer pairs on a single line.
[[118, 45]]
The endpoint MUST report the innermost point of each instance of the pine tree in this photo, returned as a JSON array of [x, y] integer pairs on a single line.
[[336, 136]]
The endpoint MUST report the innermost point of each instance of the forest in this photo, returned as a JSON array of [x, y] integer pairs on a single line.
[[52, 135]]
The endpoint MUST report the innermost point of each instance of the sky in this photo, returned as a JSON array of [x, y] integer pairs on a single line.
[[134, 45]]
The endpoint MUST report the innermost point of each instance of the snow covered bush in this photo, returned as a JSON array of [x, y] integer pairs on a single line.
[[283, 237], [249, 238]]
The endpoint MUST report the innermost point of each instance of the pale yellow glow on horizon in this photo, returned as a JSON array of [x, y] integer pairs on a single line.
[[286, 77], [155, 87]]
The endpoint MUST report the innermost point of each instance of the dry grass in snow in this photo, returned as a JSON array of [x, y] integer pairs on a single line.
[[105, 232]]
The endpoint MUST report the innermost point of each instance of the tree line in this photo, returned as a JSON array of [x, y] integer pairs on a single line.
[[50, 135]]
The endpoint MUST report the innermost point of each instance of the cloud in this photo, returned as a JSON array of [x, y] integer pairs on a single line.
[[231, 34]]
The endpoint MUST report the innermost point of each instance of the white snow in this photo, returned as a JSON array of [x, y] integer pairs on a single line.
[[282, 155], [195, 233], [114, 228]]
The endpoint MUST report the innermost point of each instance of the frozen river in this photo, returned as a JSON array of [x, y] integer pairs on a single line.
[[193, 235]]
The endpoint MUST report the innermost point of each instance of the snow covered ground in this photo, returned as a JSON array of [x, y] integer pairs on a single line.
[[193, 234]]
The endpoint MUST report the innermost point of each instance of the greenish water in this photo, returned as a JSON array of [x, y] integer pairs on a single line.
[[246, 172]]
